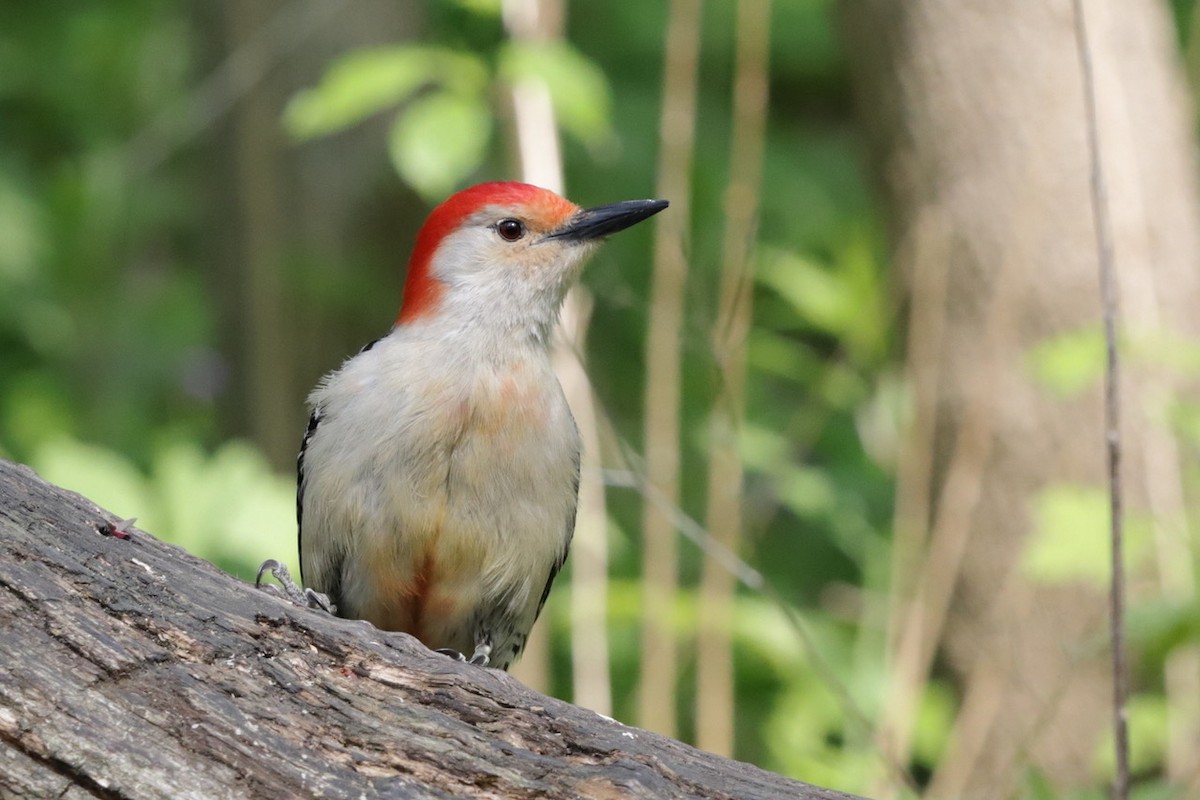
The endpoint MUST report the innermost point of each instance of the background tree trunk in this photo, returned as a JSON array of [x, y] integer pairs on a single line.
[[131, 669], [976, 119], [296, 222]]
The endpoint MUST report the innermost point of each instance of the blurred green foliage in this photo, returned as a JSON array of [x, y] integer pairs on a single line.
[[442, 100], [101, 313], [1071, 362], [365, 82], [119, 374], [226, 504], [1070, 539]]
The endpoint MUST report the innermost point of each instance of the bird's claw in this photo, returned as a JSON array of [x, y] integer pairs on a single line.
[[479, 659], [305, 598]]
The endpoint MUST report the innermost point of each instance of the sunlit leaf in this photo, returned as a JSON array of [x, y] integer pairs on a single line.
[[762, 448], [782, 356], [577, 87], [1158, 626], [368, 81], [230, 505], [762, 629], [809, 721], [1070, 539], [1148, 729], [1176, 351], [820, 296], [935, 722], [882, 420], [1069, 362], [440, 140], [1184, 418], [807, 491], [104, 476], [20, 232], [867, 328], [491, 8]]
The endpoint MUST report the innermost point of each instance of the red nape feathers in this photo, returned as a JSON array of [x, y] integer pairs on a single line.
[[421, 289]]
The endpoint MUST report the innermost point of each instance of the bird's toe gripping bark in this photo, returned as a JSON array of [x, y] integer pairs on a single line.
[[305, 598], [479, 658]]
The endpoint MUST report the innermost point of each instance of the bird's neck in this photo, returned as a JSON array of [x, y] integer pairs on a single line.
[[509, 314], [492, 333]]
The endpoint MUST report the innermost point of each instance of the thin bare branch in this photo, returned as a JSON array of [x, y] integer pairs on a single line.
[[660, 556], [1112, 409], [751, 578], [714, 667]]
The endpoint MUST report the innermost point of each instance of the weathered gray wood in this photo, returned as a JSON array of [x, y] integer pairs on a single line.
[[130, 669]]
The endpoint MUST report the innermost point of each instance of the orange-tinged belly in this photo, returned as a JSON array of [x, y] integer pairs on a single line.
[[484, 498]]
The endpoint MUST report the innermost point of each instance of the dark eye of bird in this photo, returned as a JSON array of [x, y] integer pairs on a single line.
[[510, 229]]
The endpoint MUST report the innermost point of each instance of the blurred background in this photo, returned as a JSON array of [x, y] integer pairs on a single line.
[[844, 506]]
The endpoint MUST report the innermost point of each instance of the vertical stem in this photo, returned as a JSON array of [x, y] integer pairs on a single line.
[[541, 163], [660, 576], [539, 155], [1108, 293], [266, 363], [924, 256], [591, 684], [714, 667], [924, 616]]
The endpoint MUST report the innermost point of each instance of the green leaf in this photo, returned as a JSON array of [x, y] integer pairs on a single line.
[[1070, 540], [1069, 362], [1184, 418], [817, 294], [104, 476], [807, 491], [578, 88], [1147, 715], [35, 408], [368, 81], [783, 356], [440, 140], [489, 8], [20, 233], [229, 507], [934, 723], [842, 298], [1158, 626], [1166, 348]]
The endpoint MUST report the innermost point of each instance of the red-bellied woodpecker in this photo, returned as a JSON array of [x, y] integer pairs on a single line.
[[439, 475]]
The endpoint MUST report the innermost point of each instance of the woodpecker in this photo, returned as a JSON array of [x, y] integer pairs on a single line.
[[439, 474]]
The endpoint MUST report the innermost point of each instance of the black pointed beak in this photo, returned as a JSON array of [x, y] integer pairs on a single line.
[[596, 223]]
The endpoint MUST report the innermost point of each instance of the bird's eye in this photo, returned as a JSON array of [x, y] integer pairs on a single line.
[[510, 229]]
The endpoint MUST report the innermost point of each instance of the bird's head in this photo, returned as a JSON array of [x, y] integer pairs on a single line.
[[507, 251]]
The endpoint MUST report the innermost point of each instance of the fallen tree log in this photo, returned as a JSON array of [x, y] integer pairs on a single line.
[[131, 669]]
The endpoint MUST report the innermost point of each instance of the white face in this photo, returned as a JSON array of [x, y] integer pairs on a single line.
[[500, 265]]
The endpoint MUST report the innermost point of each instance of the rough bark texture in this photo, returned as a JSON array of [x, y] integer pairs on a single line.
[[976, 117], [129, 668]]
